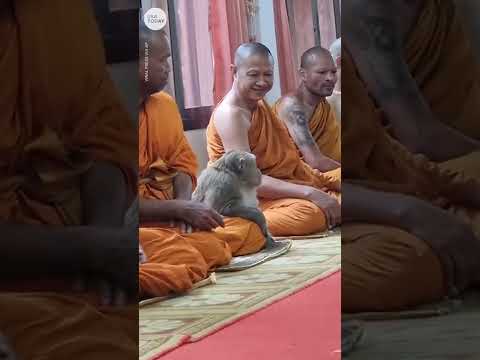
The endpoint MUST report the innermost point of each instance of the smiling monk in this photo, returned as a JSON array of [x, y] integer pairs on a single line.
[[296, 199]]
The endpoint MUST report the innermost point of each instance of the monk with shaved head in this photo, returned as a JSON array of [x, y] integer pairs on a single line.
[[335, 99], [295, 198], [182, 240], [308, 116]]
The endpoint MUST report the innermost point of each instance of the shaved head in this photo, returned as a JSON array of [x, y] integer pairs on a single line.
[[312, 55], [248, 50], [253, 72], [336, 48], [318, 72], [154, 55]]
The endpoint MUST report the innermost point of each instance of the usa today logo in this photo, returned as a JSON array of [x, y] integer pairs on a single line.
[[155, 19]]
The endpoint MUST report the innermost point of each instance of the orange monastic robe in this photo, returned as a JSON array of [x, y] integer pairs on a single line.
[[324, 128], [59, 114], [383, 267], [277, 156], [176, 261], [163, 148]]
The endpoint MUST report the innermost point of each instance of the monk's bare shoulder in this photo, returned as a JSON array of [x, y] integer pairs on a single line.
[[377, 24], [233, 124], [370, 25], [231, 115], [375, 32]]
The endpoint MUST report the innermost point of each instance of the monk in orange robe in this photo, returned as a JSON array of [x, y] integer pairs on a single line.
[[394, 253], [176, 255], [295, 198], [67, 176], [308, 116], [335, 100], [421, 74]]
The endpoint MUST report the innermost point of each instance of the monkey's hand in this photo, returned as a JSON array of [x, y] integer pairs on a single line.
[[198, 215]]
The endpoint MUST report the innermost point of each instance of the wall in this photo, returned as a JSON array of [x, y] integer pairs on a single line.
[[266, 35]]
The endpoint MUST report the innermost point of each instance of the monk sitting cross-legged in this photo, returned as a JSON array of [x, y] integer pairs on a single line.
[[295, 198], [182, 240], [309, 118]]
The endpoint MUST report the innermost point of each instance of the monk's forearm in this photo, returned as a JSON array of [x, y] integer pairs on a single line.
[[159, 210], [422, 133], [314, 157], [34, 250], [182, 186], [272, 188], [104, 195], [360, 204]]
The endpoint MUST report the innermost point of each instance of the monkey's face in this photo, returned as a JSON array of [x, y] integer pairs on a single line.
[[255, 77], [251, 174], [244, 164]]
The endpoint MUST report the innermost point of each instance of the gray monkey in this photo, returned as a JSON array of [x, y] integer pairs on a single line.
[[229, 186]]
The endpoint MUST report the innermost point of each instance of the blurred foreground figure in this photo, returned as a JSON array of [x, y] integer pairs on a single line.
[[412, 205], [66, 179]]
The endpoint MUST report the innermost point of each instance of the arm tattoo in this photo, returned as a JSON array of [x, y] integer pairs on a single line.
[[378, 42], [297, 124], [381, 31]]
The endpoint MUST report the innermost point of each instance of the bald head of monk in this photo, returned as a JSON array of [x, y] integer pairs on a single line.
[[336, 51], [154, 67], [253, 71], [318, 72]]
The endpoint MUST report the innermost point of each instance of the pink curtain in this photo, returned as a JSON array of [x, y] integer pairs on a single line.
[[228, 29], [285, 47], [195, 52], [326, 16], [304, 37], [295, 34]]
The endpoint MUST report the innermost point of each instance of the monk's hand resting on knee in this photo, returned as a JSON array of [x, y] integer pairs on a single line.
[[197, 215], [113, 272], [108, 293], [329, 205], [6, 352], [182, 226], [453, 240]]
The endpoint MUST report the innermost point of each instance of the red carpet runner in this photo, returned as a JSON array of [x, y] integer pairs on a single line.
[[303, 326]]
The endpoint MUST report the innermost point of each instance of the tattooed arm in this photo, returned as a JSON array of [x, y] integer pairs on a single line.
[[374, 36], [295, 117]]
